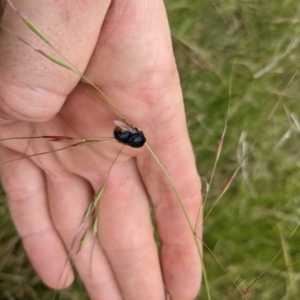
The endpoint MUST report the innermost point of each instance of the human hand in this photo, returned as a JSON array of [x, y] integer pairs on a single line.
[[125, 49]]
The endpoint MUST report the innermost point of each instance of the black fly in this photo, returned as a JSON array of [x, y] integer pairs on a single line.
[[129, 135]]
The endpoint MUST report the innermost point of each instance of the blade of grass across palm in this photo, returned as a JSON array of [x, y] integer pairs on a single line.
[[53, 139], [90, 216]]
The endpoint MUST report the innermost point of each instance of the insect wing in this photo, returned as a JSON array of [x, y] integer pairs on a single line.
[[123, 126]]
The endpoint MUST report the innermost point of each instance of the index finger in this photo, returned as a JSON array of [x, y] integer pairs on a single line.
[[179, 254]]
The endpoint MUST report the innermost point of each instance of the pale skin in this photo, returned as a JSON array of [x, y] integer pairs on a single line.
[[124, 47]]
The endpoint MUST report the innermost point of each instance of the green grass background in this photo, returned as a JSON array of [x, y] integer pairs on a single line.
[[252, 46]]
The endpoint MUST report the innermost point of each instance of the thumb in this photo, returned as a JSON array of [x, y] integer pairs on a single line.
[[33, 88]]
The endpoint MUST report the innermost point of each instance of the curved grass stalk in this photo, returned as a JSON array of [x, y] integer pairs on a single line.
[[186, 217]]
